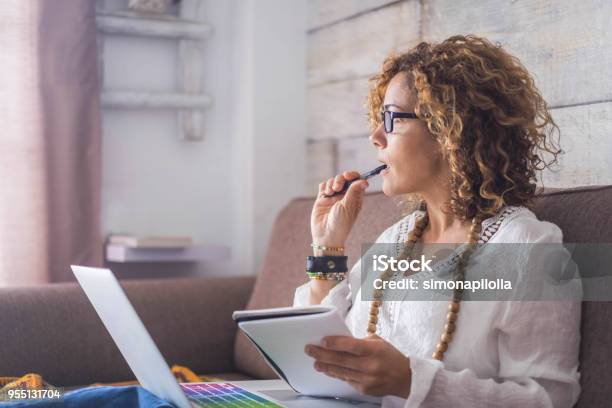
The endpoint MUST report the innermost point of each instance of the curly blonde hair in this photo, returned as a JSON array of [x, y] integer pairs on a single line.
[[483, 107]]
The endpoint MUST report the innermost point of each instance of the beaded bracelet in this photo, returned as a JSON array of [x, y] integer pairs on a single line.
[[324, 248], [328, 278], [338, 276]]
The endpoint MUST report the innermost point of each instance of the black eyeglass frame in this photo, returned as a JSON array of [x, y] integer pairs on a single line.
[[388, 117]]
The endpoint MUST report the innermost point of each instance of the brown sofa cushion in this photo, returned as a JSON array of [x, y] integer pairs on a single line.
[[584, 215], [53, 330]]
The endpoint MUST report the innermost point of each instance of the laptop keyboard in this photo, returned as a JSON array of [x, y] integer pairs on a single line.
[[224, 395]]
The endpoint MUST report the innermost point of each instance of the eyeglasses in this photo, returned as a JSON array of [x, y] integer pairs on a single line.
[[387, 118]]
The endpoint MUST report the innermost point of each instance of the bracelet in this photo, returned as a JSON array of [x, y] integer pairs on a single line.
[[325, 248], [337, 276], [326, 264]]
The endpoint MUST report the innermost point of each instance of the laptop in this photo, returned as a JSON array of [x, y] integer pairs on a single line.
[[148, 365]]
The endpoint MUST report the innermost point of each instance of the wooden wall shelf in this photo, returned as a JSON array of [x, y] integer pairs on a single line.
[[121, 253], [154, 100], [129, 23], [189, 100]]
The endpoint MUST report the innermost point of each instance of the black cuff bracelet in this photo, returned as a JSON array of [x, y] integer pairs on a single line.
[[326, 264]]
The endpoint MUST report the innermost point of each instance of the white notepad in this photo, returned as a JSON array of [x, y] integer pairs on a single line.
[[281, 334]]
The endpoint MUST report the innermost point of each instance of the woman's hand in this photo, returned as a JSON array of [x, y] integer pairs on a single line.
[[333, 217], [371, 365]]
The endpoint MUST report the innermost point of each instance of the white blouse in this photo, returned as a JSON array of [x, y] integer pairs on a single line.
[[503, 353]]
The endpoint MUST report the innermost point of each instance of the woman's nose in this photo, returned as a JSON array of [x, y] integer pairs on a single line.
[[378, 137]]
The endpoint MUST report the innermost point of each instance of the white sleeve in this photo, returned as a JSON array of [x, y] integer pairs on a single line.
[[538, 343], [538, 351], [343, 294]]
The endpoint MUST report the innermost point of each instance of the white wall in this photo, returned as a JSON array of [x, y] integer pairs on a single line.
[[270, 58], [564, 44], [221, 190]]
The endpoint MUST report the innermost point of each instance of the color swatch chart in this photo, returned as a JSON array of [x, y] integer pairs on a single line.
[[224, 395]]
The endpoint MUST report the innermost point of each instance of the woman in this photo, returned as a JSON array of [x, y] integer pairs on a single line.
[[462, 129]]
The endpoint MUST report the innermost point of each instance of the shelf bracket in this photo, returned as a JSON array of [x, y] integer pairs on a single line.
[[191, 122]]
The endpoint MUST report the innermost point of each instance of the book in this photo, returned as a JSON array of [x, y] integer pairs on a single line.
[[131, 241], [280, 335]]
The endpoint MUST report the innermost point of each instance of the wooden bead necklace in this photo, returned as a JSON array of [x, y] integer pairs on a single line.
[[453, 305]]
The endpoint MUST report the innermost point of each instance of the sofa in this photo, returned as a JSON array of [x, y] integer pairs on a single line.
[[53, 330]]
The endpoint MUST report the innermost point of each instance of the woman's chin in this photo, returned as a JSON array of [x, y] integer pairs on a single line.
[[388, 190], [391, 191]]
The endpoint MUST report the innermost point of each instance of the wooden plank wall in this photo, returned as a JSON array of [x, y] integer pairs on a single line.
[[566, 45]]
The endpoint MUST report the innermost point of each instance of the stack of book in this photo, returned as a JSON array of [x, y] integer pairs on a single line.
[[160, 242]]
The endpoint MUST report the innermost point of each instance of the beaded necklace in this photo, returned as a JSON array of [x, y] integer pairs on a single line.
[[453, 305]]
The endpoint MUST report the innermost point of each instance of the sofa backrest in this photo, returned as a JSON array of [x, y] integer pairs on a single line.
[[53, 330], [584, 215]]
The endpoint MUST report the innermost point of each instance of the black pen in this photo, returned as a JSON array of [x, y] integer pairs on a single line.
[[364, 176]]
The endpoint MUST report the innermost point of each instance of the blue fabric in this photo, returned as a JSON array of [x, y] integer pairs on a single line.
[[99, 397]]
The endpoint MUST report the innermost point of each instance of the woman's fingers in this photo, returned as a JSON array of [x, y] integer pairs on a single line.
[[348, 344], [337, 358], [339, 182], [336, 183], [322, 188], [328, 188], [341, 179], [355, 191], [340, 372], [350, 175]]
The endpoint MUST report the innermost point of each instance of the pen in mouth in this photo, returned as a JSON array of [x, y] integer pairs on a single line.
[[364, 176], [374, 172]]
